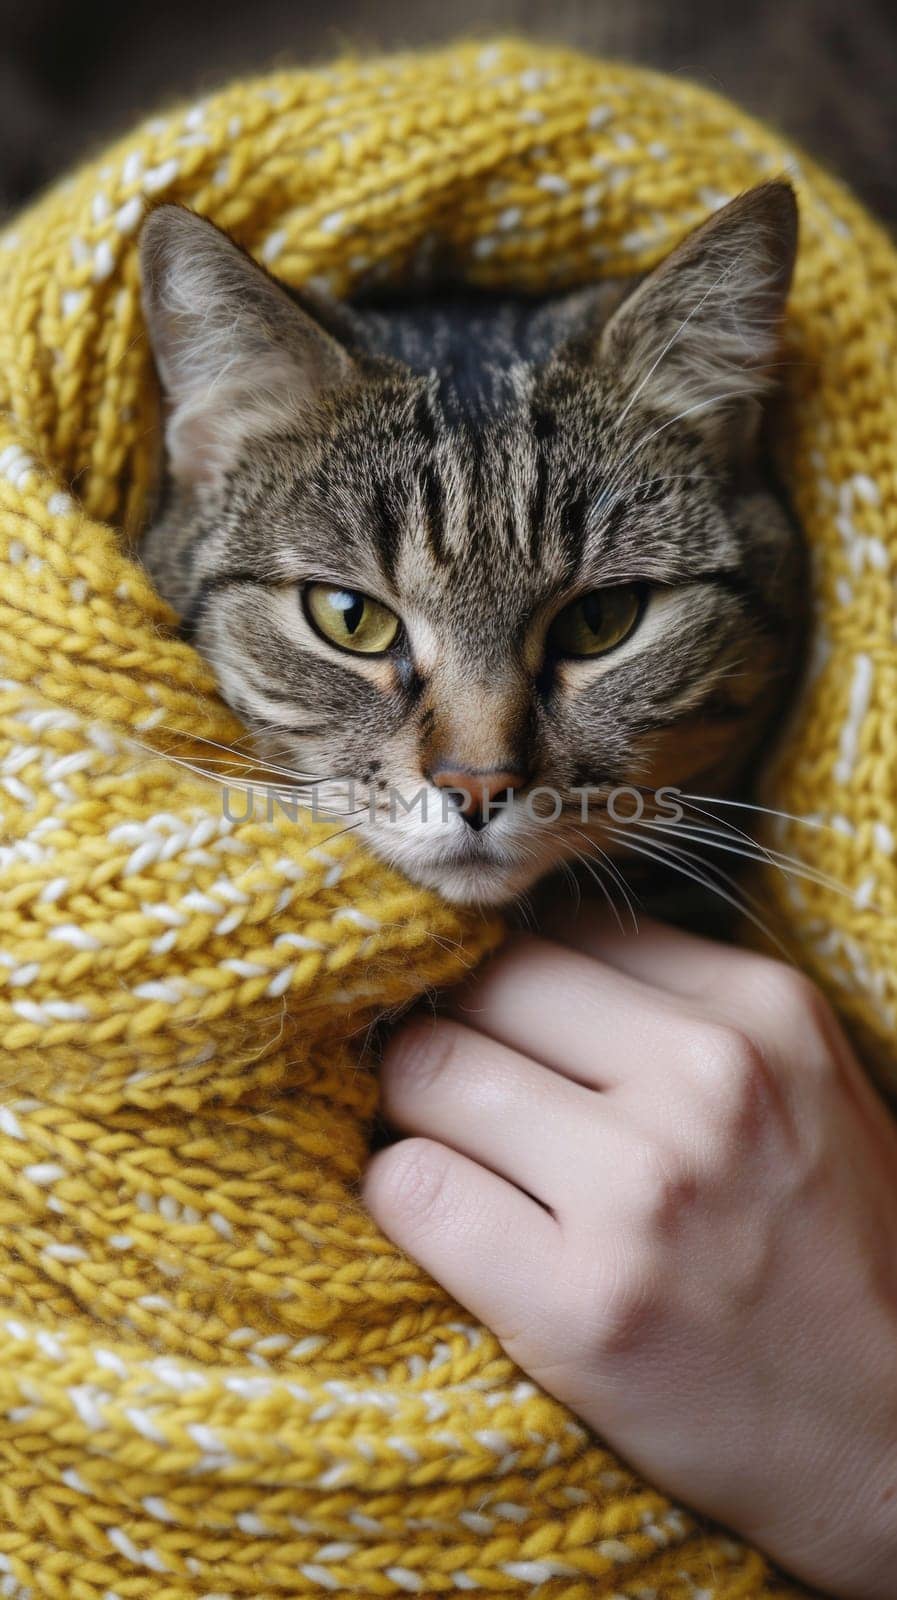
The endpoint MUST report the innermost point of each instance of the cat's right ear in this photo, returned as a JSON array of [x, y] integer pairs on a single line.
[[236, 357], [699, 337]]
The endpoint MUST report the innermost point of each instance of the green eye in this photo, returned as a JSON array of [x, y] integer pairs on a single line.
[[351, 620], [597, 621]]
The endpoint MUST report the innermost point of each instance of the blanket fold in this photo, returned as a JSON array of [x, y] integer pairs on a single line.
[[217, 1379]]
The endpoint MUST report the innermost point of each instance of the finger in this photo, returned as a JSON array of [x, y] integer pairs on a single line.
[[489, 1245], [766, 1002], [493, 1104], [663, 1064], [664, 957], [581, 1017]]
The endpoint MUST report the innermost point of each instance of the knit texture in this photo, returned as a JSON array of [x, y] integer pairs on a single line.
[[216, 1377]]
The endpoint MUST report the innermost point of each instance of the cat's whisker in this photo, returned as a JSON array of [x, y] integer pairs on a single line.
[[212, 762], [725, 828], [255, 760], [244, 784], [671, 858], [616, 875], [726, 834], [340, 831], [251, 736], [788, 866], [673, 855], [593, 868], [280, 755], [700, 860], [769, 811], [770, 853], [524, 905], [284, 794], [574, 883]]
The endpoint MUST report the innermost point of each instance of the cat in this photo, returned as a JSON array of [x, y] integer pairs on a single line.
[[492, 552]]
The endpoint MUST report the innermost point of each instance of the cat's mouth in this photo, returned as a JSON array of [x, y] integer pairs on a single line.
[[470, 868], [487, 881], [472, 849]]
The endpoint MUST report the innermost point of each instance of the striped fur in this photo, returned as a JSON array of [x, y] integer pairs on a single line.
[[475, 464]]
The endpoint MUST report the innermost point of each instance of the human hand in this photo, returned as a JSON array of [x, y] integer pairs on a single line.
[[652, 1165]]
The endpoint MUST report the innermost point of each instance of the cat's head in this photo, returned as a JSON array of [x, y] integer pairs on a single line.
[[591, 589]]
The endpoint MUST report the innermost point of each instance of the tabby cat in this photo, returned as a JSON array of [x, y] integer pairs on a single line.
[[506, 556]]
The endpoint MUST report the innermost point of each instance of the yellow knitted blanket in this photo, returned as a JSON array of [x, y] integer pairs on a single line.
[[216, 1378]]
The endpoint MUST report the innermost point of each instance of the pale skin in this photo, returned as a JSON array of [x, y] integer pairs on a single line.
[[654, 1167]]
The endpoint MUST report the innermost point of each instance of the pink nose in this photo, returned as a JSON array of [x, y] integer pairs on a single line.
[[476, 791]]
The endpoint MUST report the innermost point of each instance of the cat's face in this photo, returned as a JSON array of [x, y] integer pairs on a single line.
[[589, 591]]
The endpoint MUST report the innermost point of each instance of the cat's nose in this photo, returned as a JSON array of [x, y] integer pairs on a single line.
[[477, 794]]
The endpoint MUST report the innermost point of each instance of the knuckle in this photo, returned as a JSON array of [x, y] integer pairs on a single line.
[[741, 1089], [786, 997], [408, 1180], [729, 1054]]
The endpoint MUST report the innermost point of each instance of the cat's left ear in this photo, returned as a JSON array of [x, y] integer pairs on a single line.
[[236, 356], [699, 336]]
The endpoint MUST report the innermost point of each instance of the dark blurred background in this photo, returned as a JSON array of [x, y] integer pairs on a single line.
[[73, 74]]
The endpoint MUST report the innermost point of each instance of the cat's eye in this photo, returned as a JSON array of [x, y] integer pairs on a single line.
[[350, 619], [597, 621]]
